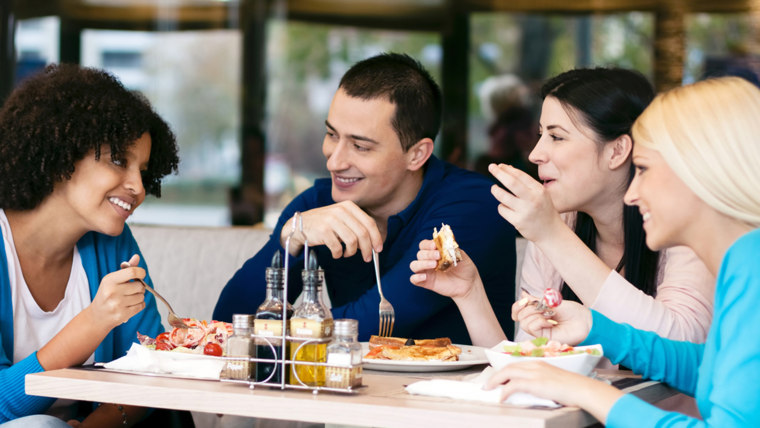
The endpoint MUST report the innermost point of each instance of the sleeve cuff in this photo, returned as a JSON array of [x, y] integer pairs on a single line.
[[632, 412], [599, 326]]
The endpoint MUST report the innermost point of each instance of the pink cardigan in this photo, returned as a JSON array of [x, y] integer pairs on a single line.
[[681, 310]]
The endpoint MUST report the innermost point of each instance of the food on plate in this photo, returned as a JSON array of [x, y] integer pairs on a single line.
[[447, 246], [202, 337], [375, 341], [550, 300], [396, 348], [543, 347], [214, 349]]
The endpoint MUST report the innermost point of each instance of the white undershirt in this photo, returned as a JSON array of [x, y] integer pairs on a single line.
[[32, 326]]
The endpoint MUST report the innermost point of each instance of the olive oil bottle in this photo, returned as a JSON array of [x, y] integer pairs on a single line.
[[311, 321], [268, 325]]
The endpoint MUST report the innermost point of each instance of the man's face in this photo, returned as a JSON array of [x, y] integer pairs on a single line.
[[364, 154]]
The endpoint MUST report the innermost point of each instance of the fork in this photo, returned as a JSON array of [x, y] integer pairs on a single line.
[[174, 320], [387, 314]]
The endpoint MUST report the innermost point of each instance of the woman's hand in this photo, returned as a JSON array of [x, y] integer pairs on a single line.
[[570, 323], [527, 205], [463, 284], [546, 381], [456, 282], [119, 298]]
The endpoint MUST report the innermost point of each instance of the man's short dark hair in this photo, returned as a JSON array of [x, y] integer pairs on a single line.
[[403, 81]]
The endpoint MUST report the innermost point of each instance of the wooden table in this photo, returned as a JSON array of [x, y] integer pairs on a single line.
[[382, 403]]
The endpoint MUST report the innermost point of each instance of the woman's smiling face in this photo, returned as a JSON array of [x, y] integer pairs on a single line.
[[667, 204], [103, 192], [570, 161]]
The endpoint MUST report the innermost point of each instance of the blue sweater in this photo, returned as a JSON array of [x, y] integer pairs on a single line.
[[449, 195], [100, 254], [723, 374]]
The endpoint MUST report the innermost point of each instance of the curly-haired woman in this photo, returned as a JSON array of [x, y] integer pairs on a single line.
[[78, 154]]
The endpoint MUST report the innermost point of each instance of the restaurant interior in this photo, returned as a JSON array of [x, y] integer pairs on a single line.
[[246, 86], [231, 77]]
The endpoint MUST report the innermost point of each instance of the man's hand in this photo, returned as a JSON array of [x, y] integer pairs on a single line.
[[336, 225]]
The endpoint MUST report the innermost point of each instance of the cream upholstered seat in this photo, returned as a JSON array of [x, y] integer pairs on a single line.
[[190, 265]]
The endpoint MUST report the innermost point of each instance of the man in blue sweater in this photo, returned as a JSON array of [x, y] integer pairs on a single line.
[[387, 192]]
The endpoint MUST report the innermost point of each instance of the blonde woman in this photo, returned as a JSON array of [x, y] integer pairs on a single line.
[[696, 182]]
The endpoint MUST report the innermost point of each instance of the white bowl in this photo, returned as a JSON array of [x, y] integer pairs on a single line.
[[582, 363]]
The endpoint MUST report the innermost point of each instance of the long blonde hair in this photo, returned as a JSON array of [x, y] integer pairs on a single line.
[[709, 134]]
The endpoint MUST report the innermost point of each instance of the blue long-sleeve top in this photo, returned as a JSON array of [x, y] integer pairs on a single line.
[[448, 195], [100, 254], [723, 374]]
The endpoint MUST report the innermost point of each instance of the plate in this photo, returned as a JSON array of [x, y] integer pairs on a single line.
[[581, 363], [470, 356]]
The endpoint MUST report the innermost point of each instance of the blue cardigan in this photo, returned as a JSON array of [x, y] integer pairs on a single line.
[[100, 254], [449, 195], [723, 374]]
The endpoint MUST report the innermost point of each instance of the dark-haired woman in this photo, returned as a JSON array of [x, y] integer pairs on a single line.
[[79, 153], [584, 241]]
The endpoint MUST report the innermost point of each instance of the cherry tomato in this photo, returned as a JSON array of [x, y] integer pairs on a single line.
[[212, 348], [163, 346]]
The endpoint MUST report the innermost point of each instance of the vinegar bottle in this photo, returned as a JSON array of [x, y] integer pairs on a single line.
[[268, 324]]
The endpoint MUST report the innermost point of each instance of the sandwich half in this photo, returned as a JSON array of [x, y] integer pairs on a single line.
[[447, 246]]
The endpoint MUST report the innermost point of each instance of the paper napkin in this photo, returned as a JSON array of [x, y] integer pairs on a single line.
[[142, 359], [472, 390]]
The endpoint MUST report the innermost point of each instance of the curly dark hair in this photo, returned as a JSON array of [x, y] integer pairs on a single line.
[[58, 116]]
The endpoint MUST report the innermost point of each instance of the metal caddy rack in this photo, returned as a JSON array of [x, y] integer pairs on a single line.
[[283, 364]]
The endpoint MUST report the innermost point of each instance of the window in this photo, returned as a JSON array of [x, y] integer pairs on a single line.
[[304, 65], [511, 55], [36, 45], [718, 44], [192, 78]]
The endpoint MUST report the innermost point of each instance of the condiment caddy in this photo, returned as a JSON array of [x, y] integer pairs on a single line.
[[304, 356]]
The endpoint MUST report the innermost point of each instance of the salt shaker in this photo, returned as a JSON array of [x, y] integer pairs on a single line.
[[240, 344], [344, 356]]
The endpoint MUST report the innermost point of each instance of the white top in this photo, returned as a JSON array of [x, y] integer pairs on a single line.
[[32, 326]]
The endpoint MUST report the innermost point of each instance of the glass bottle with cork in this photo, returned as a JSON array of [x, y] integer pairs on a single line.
[[240, 344], [311, 321], [269, 323], [344, 356]]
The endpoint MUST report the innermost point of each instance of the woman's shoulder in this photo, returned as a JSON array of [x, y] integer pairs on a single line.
[[748, 241], [744, 249]]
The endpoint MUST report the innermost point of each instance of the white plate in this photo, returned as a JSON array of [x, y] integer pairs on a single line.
[[470, 356], [582, 363]]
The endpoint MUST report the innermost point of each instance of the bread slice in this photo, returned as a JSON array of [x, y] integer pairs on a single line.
[[387, 341], [419, 353], [447, 246], [438, 342]]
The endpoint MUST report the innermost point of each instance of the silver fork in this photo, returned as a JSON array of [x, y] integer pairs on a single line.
[[174, 320], [387, 315]]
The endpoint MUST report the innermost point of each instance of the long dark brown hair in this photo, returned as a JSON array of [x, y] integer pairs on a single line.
[[608, 101]]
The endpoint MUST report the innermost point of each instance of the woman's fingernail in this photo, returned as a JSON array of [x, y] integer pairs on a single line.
[[522, 302], [552, 322]]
